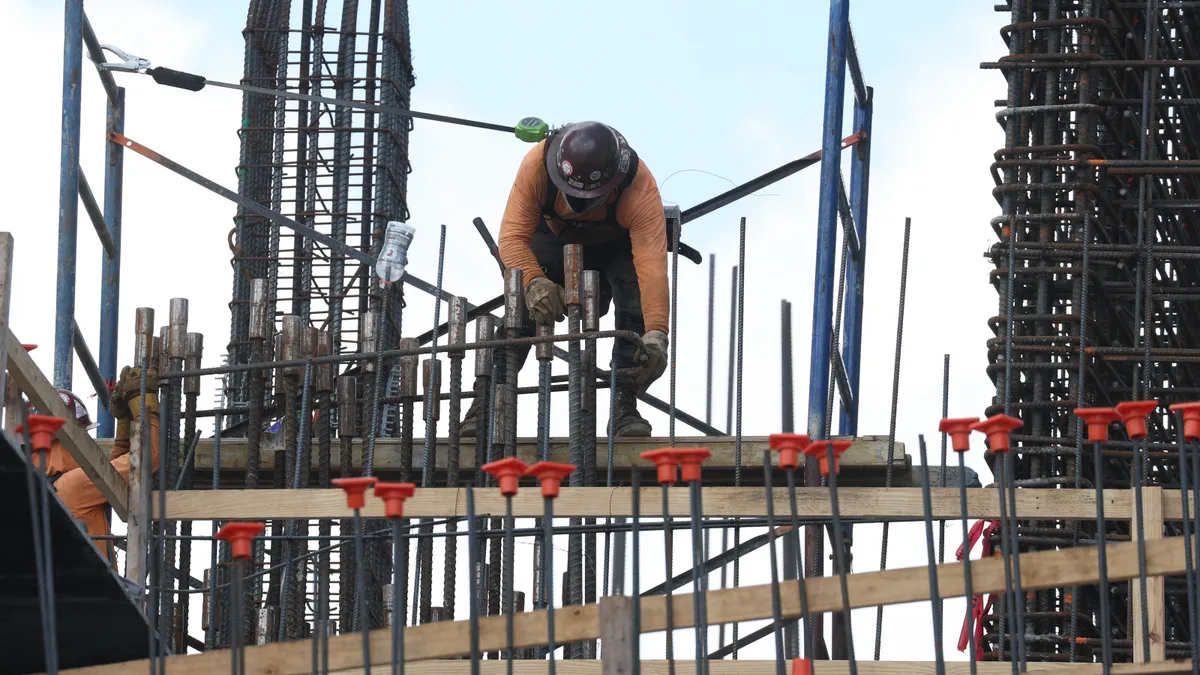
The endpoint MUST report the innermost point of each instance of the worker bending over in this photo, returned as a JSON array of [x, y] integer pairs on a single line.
[[75, 489], [585, 185]]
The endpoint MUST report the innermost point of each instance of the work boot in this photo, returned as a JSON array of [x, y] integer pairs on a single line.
[[626, 420]]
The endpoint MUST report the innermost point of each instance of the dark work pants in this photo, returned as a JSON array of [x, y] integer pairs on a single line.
[[618, 286]]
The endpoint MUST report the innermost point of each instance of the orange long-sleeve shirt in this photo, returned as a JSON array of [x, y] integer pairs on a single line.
[[640, 211]]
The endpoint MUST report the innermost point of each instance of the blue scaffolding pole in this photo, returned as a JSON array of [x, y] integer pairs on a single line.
[[841, 51], [860, 173], [110, 281], [77, 34], [68, 192]]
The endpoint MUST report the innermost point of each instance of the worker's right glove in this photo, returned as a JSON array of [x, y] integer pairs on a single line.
[[546, 301], [655, 359], [125, 401]]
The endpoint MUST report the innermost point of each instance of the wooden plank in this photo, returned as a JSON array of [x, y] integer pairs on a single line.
[[616, 635], [6, 260], [1152, 516], [745, 667], [1043, 569], [867, 453], [94, 461], [874, 503]]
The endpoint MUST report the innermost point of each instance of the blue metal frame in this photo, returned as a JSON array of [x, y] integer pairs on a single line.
[[860, 174], [840, 61], [110, 281], [824, 269], [68, 192]]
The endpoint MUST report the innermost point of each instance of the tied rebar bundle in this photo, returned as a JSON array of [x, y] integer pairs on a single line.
[[1097, 229]]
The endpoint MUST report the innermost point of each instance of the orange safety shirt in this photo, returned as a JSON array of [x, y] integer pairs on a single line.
[[640, 211]]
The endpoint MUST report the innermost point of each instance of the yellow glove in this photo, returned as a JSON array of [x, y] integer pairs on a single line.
[[124, 403]]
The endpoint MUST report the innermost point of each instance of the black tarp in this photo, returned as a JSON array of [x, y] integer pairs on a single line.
[[97, 621]]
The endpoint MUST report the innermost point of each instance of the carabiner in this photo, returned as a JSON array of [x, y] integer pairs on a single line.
[[130, 63]]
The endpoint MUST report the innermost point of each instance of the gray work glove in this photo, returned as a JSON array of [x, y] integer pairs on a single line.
[[545, 300], [654, 363]]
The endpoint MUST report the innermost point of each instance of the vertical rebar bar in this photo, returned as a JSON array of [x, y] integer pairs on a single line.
[[776, 603], [891, 452], [934, 595]]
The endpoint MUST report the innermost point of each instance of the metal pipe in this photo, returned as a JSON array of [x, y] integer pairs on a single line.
[[68, 190], [110, 270]]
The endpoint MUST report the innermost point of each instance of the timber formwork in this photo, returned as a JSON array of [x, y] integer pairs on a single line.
[[1095, 267]]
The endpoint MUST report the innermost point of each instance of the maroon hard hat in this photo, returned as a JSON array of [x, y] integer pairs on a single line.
[[74, 404], [588, 159]]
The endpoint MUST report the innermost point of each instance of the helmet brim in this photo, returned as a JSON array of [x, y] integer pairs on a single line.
[[551, 153]]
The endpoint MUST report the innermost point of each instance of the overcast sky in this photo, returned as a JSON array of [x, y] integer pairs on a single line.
[[697, 87]]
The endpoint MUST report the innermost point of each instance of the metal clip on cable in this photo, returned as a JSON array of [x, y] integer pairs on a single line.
[[136, 64]]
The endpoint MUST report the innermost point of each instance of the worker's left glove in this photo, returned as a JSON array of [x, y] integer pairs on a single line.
[[125, 401], [653, 358], [545, 300]]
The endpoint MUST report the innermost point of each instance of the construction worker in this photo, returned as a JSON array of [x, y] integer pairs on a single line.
[[585, 185], [75, 489]]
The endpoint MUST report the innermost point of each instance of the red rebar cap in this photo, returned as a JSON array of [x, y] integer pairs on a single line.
[[802, 667], [819, 449], [790, 447], [690, 460], [665, 460], [239, 536], [354, 489], [41, 431], [508, 472], [1191, 419], [959, 429], [997, 428], [393, 496], [1097, 420], [1134, 414], [551, 475]]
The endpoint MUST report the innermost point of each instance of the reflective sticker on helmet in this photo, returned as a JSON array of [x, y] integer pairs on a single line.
[[623, 164], [595, 175], [567, 169]]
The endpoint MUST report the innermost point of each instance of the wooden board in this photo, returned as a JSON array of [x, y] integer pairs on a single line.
[[868, 452], [745, 667], [1156, 587], [91, 458], [1045, 569], [873, 503]]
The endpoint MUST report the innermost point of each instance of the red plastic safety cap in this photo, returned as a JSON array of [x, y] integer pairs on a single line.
[[1191, 419], [690, 460], [789, 447], [1134, 414], [508, 473], [354, 489], [551, 475], [393, 496], [959, 429], [239, 536], [1097, 421], [820, 450], [667, 463], [997, 428], [41, 431]]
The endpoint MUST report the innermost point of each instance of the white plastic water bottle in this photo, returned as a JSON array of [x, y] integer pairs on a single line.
[[394, 256]]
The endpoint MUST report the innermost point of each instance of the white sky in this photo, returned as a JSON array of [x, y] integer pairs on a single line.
[[692, 85]]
